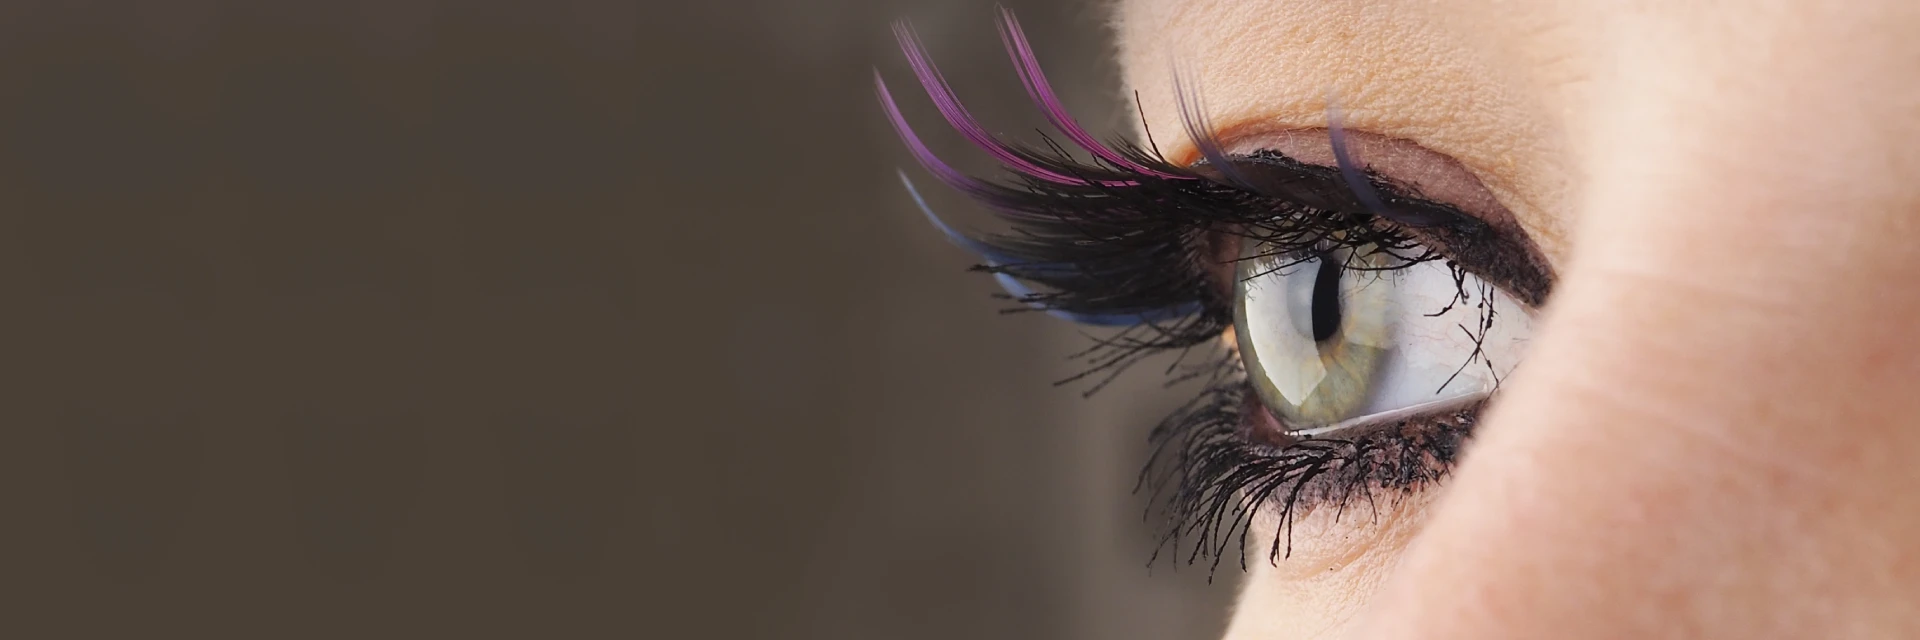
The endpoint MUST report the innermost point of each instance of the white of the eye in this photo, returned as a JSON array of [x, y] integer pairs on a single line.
[[1300, 281], [1282, 329], [1414, 314], [1432, 358]]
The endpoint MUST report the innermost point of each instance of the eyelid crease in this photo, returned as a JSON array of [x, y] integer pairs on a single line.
[[1486, 238], [1349, 169], [1425, 173]]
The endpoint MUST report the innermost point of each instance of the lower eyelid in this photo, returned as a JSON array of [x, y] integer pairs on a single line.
[[1402, 452], [1260, 426], [1360, 480]]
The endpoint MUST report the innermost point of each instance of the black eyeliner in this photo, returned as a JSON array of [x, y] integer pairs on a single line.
[[1497, 252]]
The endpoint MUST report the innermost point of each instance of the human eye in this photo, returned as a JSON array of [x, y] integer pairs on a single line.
[[1345, 325]]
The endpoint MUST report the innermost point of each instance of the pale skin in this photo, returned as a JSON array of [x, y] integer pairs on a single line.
[[1716, 429]]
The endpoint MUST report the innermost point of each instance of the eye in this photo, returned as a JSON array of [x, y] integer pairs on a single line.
[[1355, 335], [1377, 294]]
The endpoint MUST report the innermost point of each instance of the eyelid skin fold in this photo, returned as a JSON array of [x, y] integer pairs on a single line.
[[1413, 177], [1486, 242], [1405, 164]]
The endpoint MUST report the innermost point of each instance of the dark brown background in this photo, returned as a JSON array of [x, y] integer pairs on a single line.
[[411, 319]]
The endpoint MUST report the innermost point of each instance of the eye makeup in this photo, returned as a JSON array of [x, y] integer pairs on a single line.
[[1487, 242], [1168, 255]]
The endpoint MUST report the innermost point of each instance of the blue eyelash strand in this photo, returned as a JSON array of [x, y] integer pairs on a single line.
[[1350, 171], [1026, 294]]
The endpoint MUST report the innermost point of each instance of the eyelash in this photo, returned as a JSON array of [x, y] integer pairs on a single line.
[[1131, 240]]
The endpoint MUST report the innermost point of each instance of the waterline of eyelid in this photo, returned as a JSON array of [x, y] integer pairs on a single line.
[[1385, 417]]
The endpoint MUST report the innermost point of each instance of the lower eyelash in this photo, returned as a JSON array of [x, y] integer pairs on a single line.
[[1212, 470]]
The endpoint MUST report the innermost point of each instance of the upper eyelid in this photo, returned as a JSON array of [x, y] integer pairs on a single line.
[[1105, 178], [1420, 172], [1429, 174], [1490, 243]]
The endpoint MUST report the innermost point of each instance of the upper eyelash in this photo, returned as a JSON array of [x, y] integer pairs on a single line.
[[1061, 205], [1125, 239], [1118, 240]]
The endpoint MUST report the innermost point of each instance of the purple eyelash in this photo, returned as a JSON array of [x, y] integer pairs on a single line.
[[1357, 180], [1027, 65], [1033, 78], [956, 113], [1350, 171], [940, 169], [1193, 118], [1078, 254], [1119, 172]]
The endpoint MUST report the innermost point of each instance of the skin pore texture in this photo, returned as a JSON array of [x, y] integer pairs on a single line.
[[1716, 429]]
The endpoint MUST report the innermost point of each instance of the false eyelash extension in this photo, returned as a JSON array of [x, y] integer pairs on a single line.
[[1124, 240], [1127, 239]]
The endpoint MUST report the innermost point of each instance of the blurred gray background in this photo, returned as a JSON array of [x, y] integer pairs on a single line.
[[415, 319]]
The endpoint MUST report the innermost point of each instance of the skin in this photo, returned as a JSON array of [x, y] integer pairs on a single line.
[[1715, 431]]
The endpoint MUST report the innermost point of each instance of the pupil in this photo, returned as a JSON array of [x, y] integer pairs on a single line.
[[1326, 299]]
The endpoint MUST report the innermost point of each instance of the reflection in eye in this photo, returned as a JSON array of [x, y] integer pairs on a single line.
[[1350, 336]]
